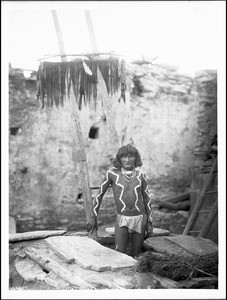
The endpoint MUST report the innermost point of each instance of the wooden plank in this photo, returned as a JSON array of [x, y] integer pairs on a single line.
[[185, 205], [90, 254], [49, 264], [178, 198], [166, 283], [209, 221], [33, 235], [199, 202], [200, 282]]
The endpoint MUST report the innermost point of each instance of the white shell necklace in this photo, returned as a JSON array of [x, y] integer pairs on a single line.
[[129, 176]]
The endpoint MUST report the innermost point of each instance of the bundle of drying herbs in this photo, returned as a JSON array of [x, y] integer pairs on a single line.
[[55, 80], [177, 267]]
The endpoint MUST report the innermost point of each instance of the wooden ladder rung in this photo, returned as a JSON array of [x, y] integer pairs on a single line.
[[194, 214], [203, 211], [194, 231], [213, 191]]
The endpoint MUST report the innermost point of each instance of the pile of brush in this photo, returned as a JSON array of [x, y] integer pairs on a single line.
[[177, 267]]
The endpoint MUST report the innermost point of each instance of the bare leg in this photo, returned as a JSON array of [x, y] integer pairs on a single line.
[[138, 238], [137, 243], [121, 238]]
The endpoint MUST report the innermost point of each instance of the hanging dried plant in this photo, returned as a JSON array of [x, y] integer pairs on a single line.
[[56, 79]]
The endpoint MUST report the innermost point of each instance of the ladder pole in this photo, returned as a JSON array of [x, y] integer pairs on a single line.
[[59, 36], [107, 107], [79, 156], [91, 31], [200, 200], [108, 112], [209, 221]]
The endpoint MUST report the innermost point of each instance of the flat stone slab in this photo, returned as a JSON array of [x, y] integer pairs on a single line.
[[33, 235], [182, 245], [160, 244], [89, 254], [156, 231], [31, 271], [195, 245]]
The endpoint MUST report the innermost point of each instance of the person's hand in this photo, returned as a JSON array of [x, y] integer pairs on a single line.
[[92, 224], [149, 229]]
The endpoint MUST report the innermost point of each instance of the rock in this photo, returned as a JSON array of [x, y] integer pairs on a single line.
[[156, 231], [44, 258], [182, 245], [90, 254], [32, 235], [29, 270], [12, 225], [195, 245]]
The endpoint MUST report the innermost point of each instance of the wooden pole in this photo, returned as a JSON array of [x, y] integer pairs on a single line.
[[209, 221], [59, 36], [108, 112], [107, 107], [199, 202], [80, 154], [91, 32]]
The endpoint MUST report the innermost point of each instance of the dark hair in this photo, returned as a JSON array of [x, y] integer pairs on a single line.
[[127, 149]]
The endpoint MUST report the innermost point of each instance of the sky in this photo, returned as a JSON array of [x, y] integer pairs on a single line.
[[188, 34]]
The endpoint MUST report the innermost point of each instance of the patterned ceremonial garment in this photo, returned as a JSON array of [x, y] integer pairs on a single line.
[[131, 198]]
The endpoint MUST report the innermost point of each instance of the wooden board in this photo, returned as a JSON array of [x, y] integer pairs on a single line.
[[90, 254], [200, 282], [33, 235]]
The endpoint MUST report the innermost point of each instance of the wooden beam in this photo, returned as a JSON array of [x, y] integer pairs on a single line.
[[184, 205], [80, 154], [107, 107], [178, 198], [83, 166], [59, 36], [209, 221], [91, 31]]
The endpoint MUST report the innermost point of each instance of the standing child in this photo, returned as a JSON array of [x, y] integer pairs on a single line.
[[133, 204]]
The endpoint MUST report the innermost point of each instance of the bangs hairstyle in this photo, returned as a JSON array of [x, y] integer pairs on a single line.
[[128, 149]]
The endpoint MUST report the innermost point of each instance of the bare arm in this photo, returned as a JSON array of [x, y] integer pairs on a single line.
[[147, 203], [98, 200], [102, 190]]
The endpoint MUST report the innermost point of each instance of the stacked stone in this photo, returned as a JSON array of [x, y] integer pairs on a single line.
[[206, 88]]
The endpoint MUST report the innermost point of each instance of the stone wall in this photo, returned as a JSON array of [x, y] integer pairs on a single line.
[[160, 117], [206, 85]]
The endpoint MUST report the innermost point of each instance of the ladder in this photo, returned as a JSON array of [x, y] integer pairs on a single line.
[[212, 212]]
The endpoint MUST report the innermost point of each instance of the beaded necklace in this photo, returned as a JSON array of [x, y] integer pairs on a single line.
[[129, 176]]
